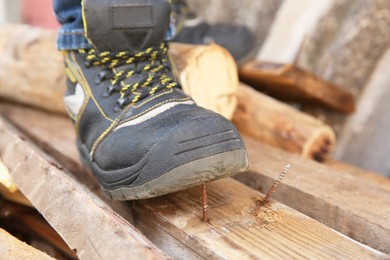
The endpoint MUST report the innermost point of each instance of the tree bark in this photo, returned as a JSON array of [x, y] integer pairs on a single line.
[[289, 83], [282, 126]]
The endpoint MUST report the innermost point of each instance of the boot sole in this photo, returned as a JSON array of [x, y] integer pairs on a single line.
[[204, 170]]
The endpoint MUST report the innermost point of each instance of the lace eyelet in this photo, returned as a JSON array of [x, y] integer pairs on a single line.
[[121, 102]]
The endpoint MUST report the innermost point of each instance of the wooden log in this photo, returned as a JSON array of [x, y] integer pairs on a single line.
[[88, 225], [208, 73], [239, 226], [280, 125], [29, 54], [13, 248], [31, 69], [355, 205], [289, 83]]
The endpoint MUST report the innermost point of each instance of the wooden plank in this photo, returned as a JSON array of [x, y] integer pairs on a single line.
[[355, 205], [280, 125], [371, 177], [88, 225], [13, 248], [27, 222], [288, 82], [239, 227]]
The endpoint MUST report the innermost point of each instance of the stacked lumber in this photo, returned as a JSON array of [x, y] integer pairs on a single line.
[[84, 221], [328, 211], [13, 248], [240, 225]]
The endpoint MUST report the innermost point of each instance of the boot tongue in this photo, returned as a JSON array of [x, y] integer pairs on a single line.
[[123, 25]]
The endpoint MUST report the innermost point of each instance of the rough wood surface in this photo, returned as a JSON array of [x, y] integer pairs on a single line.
[[31, 66], [88, 225], [29, 58], [287, 82], [356, 205], [280, 125], [30, 225], [13, 248], [239, 227]]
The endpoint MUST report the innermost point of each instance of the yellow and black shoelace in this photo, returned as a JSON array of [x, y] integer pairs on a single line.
[[119, 66]]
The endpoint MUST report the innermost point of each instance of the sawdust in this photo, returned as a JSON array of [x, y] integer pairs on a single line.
[[264, 215]]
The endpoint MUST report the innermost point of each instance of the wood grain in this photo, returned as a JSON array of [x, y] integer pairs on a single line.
[[208, 74], [239, 227], [13, 248], [354, 204], [280, 125], [87, 224]]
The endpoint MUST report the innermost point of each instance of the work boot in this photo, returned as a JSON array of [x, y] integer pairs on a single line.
[[136, 129]]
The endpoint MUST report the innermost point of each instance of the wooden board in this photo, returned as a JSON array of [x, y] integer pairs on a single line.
[[356, 205], [13, 248], [88, 225], [239, 227]]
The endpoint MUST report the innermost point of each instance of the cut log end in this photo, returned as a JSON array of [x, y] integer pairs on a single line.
[[208, 73], [320, 145]]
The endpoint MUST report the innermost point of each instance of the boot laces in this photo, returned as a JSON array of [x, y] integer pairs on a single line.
[[135, 75]]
